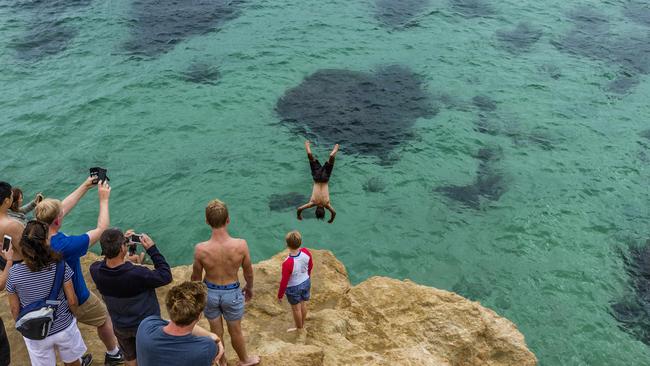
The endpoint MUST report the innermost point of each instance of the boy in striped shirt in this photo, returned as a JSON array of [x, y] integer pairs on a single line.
[[296, 282]]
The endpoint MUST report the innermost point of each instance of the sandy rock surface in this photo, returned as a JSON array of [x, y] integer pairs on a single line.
[[381, 321]]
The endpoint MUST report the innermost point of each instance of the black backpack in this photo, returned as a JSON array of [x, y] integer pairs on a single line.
[[35, 320]]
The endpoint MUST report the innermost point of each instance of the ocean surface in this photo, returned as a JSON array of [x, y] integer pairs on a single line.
[[499, 149]]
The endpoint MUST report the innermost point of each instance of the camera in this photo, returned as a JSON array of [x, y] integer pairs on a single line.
[[99, 174], [6, 243], [135, 238]]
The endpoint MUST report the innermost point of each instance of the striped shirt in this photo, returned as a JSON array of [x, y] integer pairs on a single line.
[[34, 286]]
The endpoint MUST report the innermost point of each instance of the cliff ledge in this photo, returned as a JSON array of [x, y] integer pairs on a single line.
[[380, 321]]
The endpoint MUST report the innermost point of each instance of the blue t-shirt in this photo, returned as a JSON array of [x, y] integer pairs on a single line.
[[72, 248], [155, 347]]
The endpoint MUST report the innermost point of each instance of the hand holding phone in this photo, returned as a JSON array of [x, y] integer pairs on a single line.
[[6, 243], [98, 174]]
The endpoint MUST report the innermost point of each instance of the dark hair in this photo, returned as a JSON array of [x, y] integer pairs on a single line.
[[33, 244], [111, 241], [5, 191], [320, 212], [17, 192]]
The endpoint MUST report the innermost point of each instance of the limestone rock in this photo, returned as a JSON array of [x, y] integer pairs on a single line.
[[381, 321]]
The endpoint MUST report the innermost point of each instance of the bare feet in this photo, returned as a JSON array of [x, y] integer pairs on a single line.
[[335, 150], [252, 360]]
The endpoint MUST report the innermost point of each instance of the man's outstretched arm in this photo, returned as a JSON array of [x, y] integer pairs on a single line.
[[73, 198], [304, 207], [332, 212]]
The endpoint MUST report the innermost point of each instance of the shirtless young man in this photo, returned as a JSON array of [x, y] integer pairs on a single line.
[[320, 195], [220, 257], [14, 229]]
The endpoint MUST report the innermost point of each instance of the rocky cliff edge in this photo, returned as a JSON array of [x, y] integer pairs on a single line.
[[380, 321]]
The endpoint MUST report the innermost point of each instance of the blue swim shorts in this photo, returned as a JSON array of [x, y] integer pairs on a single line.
[[298, 293], [225, 300]]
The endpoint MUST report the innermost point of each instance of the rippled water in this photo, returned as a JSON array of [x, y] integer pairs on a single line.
[[523, 186]]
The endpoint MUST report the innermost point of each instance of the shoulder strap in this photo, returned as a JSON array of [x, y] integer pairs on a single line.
[[58, 281]]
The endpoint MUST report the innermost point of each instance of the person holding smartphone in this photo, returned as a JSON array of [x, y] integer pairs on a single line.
[[129, 291], [91, 310], [19, 211], [12, 229]]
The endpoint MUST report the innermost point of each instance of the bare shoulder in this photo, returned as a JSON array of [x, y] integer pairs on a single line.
[[200, 248], [241, 244]]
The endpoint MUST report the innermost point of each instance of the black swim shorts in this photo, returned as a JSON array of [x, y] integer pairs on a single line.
[[321, 173]]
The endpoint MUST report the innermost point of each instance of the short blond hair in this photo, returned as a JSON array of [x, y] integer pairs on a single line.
[[216, 214], [48, 210], [293, 239], [186, 301]]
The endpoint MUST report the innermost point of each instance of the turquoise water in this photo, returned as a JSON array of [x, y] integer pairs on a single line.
[[545, 254]]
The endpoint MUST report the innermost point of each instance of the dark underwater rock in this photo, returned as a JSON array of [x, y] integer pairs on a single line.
[[475, 291], [645, 134], [287, 201], [202, 73], [552, 70], [638, 11], [633, 312], [623, 84], [592, 37], [43, 39], [484, 103], [368, 113], [398, 13], [46, 32], [519, 39], [472, 8], [488, 184], [374, 185], [158, 25]]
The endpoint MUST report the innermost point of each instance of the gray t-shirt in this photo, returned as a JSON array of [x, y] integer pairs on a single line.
[[155, 347]]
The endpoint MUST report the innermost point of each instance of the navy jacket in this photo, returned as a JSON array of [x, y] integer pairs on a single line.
[[129, 290]]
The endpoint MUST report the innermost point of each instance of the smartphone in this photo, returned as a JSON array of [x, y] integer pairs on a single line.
[[99, 174], [6, 243], [135, 238]]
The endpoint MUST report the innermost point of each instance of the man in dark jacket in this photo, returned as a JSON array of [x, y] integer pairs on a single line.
[[129, 290]]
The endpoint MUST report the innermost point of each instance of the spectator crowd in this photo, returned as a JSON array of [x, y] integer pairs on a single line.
[[48, 296]]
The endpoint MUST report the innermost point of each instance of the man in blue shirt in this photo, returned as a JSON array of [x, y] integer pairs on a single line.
[[91, 309], [179, 342]]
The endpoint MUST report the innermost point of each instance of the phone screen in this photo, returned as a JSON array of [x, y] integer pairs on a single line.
[[6, 242], [132, 249]]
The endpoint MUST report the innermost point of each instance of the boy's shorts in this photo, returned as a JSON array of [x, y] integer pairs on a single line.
[[299, 293]]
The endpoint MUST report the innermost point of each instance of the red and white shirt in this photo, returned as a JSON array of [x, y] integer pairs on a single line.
[[296, 269]]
